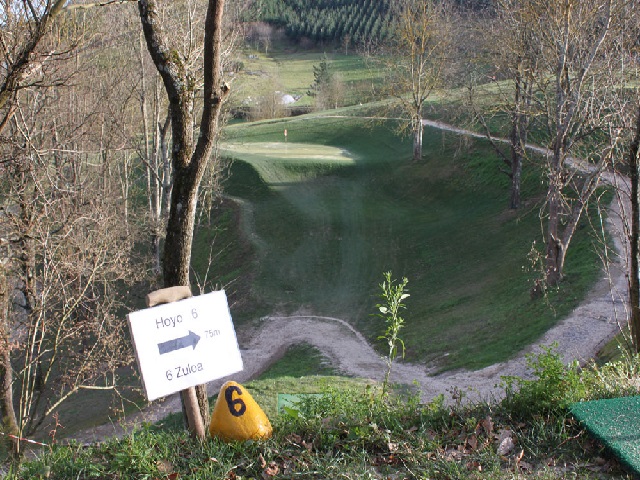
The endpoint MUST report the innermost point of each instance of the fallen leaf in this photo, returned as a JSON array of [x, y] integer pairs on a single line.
[[263, 462], [164, 466], [382, 460], [294, 438], [452, 454], [393, 447], [475, 465], [472, 442], [487, 425], [271, 471]]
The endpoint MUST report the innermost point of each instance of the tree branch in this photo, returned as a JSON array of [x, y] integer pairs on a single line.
[[86, 6]]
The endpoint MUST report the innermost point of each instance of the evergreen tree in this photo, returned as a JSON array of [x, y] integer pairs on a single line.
[[332, 20]]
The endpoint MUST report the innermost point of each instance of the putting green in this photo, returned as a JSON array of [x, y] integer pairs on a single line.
[[297, 151]]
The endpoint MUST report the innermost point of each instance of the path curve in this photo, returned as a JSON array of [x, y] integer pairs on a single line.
[[579, 337]]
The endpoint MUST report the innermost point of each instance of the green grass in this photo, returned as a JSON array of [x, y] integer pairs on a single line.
[[351, 432], [302, 369], [292, 73], [324, 230], [219, 254], [299, 361], [265, 392]]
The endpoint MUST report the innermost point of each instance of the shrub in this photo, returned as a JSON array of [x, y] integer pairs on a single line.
[[554, 387], [392, 296]]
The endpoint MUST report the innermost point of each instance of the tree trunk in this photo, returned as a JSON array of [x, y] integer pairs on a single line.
[[9, 423], [516, 178], [164, 183], [180, 228], [9, 419], [519, 132], [417, 139], [554, 255], [189, 164], [558, 242], [634, 233], [517, 153]]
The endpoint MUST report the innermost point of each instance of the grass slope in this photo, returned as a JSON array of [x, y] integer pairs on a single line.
[[325, 228]]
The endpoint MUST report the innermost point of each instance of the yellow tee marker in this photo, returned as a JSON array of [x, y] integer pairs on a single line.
[[237, 416]]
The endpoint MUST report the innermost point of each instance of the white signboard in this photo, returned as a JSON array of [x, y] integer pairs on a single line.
[[186, 343]]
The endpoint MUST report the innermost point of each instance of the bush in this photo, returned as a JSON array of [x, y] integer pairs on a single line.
[[555, 387]]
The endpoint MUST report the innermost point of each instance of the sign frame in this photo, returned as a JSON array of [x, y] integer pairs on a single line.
[[182, 344]]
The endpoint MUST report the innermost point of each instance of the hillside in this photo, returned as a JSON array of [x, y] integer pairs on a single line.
[[579, 336], [340, 203]]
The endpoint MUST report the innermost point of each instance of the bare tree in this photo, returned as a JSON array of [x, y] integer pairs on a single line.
[[67, 253], [514, 51], [154, 152], [560, 60], [626, 118], [574, 37], [417, 59], [187, 28], [190, 154], [24, 25], [268, 101], [65, 250]]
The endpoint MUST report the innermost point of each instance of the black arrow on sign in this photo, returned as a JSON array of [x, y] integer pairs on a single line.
[[169, 346]]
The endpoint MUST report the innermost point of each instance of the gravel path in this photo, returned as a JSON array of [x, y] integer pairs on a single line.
[[579, 336]]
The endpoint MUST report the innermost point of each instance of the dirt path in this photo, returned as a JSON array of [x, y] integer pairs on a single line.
[[579, 336]]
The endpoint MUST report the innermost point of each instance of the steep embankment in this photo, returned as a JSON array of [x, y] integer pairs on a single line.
[[579, 336]]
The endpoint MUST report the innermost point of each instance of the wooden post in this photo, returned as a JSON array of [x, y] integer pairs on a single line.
[[190, 406]]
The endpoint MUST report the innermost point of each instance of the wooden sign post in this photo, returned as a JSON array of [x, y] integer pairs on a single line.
[[182, 341]]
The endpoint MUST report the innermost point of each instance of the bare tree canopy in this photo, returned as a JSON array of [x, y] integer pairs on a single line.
[[417, 59], [67, 248]]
